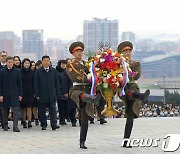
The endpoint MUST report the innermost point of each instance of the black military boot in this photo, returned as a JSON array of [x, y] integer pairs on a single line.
[[82, 145], [24, 123], [5, 128], [36, 122], [142, 96], [16, 129], [92, 99], [29, 124], [103, 121]]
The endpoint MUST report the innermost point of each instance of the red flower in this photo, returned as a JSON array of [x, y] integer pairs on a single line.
[[110, 80], [111, 65], [113, 86], [103, 66]]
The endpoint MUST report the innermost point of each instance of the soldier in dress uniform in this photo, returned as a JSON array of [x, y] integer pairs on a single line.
[[80, 91], [133, 97]]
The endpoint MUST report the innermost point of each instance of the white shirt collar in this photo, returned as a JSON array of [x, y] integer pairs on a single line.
[[3, 64], [46, 68]]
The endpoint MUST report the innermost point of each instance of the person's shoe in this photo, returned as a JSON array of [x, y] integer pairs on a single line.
[[16, 129], [43, 128], [126, 146], [142, 96], [29, 124], [92, 99], [53, 128], [5, 128], [56, 127], [68, 120], [145, 96], [73, 124], [63, 123], [91, 122], [103, 121], [37, 122], [24, 124], [82, 146]]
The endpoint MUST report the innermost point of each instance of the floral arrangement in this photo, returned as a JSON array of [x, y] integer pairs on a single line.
[[108, 70]]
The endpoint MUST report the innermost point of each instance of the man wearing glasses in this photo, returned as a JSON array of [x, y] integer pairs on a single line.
[[3, 55]]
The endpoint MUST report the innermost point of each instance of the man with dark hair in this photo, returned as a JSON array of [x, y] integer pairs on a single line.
[[80, 91], [3, 55], [133, 97], [10, 93], [46, 88]]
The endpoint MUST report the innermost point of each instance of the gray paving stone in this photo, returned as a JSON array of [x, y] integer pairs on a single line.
[[101, 138]]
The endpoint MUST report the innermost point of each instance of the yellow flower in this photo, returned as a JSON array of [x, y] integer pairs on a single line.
[[113, 73], [119, 70], [99, 73]]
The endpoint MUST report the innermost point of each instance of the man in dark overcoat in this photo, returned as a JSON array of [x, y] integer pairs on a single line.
[[3, 55], [10, 93], [46, 89]]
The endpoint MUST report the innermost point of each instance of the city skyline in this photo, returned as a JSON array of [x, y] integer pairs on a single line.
[[64, 19]]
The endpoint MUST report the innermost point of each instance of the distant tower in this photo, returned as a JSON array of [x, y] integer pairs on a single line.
[[100, 31], [128, 36], [33, 42], [7, 42]]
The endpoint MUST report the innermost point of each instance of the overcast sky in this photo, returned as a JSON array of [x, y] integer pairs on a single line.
[[64, 18]]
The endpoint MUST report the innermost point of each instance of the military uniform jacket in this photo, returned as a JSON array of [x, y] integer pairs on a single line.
[[133, 87], [77, 73]]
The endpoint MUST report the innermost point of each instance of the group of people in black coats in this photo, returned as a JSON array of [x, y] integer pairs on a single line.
[[31, 88]]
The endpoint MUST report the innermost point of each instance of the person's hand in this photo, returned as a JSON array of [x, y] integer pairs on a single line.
[[20, 98], [1, 98], [38, 98], [66, 95]]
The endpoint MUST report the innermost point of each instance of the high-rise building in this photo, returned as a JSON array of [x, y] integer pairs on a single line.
[[7, 42], [53, 48], [17, 45], [79, 38], [33, 42], [128, 36], [98, 31]]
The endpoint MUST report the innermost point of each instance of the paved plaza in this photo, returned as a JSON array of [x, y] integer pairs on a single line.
[[104, 139]]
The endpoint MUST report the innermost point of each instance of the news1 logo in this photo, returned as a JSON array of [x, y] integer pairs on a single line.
[[170, 145]]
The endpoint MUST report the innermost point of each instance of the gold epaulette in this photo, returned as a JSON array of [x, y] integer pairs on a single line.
[[81, 74]]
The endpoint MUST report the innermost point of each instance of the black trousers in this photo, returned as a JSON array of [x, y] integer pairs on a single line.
[[84, 123], [130, 118], [5, 113], [52, 113], [63, 110], [1, 115], [72, 115]]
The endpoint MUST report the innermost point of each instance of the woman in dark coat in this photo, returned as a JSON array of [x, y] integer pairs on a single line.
[[38, 65], [27, 76], [17, 62], [62, 101]]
